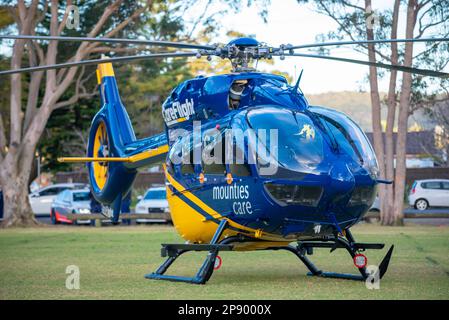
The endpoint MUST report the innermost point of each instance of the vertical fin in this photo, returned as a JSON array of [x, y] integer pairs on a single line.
[[120, 125]]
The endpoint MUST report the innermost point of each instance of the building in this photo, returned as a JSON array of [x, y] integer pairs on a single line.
[[421, 149]]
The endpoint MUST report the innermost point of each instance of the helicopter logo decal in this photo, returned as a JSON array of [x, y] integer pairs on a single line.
[[307, 132], [178, 112]]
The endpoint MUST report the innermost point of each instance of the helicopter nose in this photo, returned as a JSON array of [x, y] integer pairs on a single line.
[[342, 179]]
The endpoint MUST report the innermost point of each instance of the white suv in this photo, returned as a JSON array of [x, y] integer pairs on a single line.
[[154, 202], [429, 193]]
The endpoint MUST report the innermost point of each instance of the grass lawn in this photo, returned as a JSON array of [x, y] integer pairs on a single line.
[[113, 261]]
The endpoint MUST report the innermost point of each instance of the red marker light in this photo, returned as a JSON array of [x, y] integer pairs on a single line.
[[360, 260], [217, 127], [218, 263]]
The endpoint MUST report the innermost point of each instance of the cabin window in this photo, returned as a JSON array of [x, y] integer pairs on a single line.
[[213, 157], [238, 165], [181, 156], [236, 92], [187, 166]]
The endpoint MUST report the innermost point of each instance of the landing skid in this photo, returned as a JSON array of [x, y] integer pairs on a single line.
[[174, 251], [305, 248], [301, 250]]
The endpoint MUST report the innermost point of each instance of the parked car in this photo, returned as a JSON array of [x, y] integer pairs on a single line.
[[42, 199], [429, 193], [69, 201], [154, 202]]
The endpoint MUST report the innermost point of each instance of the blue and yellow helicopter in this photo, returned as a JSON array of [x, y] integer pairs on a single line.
[[301, 188]]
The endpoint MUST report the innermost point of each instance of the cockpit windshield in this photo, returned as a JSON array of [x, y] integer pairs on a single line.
[[349, 137], [289, 138]]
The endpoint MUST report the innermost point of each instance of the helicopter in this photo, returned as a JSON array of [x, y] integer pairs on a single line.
[[249, 164]]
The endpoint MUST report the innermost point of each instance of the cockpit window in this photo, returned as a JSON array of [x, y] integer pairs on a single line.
[[288, 137], [345, 143], [352, 139]]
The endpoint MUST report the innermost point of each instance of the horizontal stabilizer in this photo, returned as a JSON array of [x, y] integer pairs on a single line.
[[141, 152]]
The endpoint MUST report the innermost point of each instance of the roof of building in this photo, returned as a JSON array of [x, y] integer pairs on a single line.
[[418, 143]]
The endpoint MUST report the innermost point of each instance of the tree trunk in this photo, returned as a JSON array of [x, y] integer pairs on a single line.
[[404, 106], [375, 111], [16, 206], [16, 171], [15, 166], [388, 205]]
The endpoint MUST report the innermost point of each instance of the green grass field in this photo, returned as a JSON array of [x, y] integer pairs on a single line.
[[113, 261]]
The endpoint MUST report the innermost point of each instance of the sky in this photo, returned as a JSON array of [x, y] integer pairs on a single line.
[[289, 22]]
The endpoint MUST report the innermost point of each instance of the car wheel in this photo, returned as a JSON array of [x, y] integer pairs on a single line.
[[421, 204]]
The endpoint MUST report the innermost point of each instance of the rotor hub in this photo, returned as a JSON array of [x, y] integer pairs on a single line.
[[242, 51]]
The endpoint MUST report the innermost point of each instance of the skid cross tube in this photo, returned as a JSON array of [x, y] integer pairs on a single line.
[[306, 247], [174, 251]]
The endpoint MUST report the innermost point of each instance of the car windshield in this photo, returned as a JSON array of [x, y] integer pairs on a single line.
[[156, 195], [81, 196], [298, 147]]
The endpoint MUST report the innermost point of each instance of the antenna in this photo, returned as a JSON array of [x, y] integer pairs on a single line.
[[298, 81]]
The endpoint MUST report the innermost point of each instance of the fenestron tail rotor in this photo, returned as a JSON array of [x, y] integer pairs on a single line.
[[101, 150]]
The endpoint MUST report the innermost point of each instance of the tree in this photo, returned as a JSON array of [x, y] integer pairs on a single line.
[[28, 116], [357, 20], [143, 85], [439, 113], [33, 98]]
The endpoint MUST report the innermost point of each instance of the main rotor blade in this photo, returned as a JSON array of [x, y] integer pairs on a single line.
[[340, 43], [169, 44], [423, 72], [98, 61]]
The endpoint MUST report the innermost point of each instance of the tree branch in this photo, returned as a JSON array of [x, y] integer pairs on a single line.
[[83, 49], [64, 18], [52, 50], [79, 85], [201, 16], [28, 19], [121, 26], [330, 14]]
